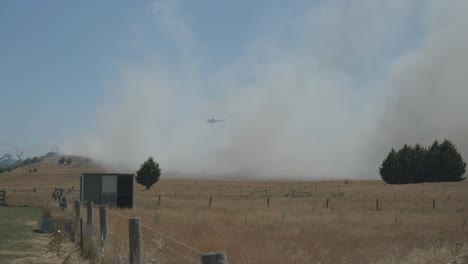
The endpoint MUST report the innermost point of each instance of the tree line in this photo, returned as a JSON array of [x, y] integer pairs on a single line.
[[8, 164], [437, 163]]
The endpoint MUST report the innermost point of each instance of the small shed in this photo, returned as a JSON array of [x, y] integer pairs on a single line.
[[111, 189]]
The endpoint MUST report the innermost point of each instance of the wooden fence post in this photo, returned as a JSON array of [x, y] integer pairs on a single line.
[[211, 198], [64, 203], [326, 206], [268, 202], [81, 235], [103, 224], [159, 200], [214, 258], [4, 197], [433, 204], [77, 218], [134, 234], [89, 223]]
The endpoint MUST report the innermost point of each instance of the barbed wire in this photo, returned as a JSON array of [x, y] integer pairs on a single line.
[[172, 250], [164, 235]]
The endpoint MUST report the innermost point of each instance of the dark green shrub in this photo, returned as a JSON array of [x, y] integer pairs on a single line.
[[439, 162], [148, 174], [62, 160]]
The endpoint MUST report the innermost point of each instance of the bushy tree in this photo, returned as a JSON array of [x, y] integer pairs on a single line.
[[439, 162], [148, 174], [389, 169], [447, 162], [35, 160], [7, 156], [51, 154], [27, 161], [62, 160], [69, 161]]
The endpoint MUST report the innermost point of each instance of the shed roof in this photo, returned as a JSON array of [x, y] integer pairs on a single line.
[[108, 174]]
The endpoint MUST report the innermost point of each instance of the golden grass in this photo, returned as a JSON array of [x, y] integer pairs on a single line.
[[292, 230]]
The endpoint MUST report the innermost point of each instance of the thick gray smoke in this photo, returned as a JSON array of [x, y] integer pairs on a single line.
[[429, 86], [323, 93]]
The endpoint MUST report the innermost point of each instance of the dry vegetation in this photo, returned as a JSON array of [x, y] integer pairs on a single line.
[[292, 230]]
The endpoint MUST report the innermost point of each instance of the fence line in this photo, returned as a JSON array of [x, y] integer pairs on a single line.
[[164, 235], [180, 254]]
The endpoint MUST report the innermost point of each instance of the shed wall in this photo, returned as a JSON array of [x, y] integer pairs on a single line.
[[92, 189]]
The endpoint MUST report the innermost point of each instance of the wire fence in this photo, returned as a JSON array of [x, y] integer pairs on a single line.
[[165, 246]]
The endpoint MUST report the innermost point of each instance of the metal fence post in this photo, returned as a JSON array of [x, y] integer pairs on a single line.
[[134, 234], [214, 258]]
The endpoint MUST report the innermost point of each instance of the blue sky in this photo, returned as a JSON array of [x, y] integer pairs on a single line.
[[57, 55]]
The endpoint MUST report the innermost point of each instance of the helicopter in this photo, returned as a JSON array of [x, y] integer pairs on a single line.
[[214, 120]]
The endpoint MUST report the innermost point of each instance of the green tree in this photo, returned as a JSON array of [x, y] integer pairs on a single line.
[[405, 162], [433, 169], [418, 168], [27, 161], [389, 167], [69, 161], [450, 162], [51, 154], [148, 174], [62, 160], [438, 163]]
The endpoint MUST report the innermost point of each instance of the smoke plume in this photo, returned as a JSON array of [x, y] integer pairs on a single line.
[[321, 93]]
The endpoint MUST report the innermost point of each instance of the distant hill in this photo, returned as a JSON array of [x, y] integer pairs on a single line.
[[52, 162]]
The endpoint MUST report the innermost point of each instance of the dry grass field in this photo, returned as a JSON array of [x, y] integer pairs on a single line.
[[299, 229]]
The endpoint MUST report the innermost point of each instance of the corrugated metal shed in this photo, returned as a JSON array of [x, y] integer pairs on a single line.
[[111, 189]]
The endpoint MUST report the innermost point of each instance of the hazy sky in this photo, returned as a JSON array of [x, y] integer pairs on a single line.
[[310, 89], [58, 57]]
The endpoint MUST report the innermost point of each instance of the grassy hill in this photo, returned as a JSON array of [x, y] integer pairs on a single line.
[[48, 173]]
